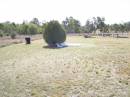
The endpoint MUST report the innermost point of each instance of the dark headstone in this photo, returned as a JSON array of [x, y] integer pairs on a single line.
[[28, 40]]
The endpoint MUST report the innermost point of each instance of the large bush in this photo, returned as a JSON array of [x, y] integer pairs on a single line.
[[54, 33]]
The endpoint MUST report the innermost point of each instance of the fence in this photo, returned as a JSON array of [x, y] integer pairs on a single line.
[[117, 35]]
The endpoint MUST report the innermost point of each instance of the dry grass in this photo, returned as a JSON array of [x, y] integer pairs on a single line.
[[97, 69]]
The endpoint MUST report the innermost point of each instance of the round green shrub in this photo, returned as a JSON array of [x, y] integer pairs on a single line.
[[54, 33]]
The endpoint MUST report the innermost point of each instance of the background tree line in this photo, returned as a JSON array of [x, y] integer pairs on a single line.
[[26, 28], [70, 25], [98, 23]]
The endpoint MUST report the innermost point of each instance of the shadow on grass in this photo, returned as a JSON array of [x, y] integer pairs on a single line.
[[53, 47], [122, 37], [89, 37]]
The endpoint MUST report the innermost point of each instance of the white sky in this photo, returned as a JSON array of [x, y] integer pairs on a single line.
[[115, 11]]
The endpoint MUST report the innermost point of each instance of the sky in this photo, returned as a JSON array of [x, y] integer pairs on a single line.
[[114, 11]]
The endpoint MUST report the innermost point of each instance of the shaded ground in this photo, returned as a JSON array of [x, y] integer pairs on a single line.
[[101, 70]]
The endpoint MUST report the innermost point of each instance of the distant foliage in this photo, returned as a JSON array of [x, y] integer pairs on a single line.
[[1, 33], [32, 29], [95, 23], [29, 29], [35, 21], [70, 25], [22, 29], [54, 33], [26, 28], [13, 35]]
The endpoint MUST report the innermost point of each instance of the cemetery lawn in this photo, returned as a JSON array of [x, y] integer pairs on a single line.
[[97, 67]]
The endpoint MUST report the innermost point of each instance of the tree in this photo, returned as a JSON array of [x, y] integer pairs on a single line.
[[35, 21], [89, 26], [71, 25], [8, 27], [122, 28], [95, 23], [115, 28], [13, 35], [99, 23], [127, 26], [106, 28], [32, 29], [1, 33], [23, 29], [1, 26], [1, 30], [54, 33]]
